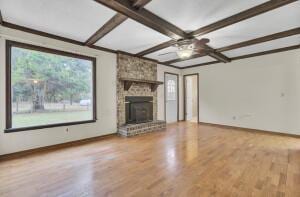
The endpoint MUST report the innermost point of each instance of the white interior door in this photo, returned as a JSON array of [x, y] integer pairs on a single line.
[[191, 98], [171, 98]]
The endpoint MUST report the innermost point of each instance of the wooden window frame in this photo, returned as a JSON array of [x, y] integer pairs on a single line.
[[9, 45]]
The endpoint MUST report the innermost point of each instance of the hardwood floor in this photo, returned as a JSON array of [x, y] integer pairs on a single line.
[[186, 160]]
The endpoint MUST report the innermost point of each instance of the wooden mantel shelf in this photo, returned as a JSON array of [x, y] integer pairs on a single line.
[[129, 81]]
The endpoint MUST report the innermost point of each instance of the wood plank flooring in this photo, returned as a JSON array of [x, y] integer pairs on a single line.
[[185, 160]]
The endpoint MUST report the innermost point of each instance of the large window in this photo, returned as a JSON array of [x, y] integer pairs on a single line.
[[47, 88]]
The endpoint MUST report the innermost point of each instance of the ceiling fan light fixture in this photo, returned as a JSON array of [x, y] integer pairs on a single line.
[[185, 51]]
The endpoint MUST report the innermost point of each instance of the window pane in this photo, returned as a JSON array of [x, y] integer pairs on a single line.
[[171, 93], [49, 88]]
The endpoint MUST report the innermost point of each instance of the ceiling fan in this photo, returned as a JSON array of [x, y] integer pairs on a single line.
[[186, 47]]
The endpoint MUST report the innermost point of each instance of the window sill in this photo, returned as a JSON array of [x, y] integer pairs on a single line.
[[12, 130]]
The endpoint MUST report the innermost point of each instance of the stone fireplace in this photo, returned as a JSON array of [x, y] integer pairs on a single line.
[[137, 96]]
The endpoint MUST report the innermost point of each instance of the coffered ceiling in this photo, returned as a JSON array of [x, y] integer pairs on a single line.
[[274, 44], [278, 20], [190, 15], [73, 19], [149, 28], [194, 61], [163, 55], [132, 37]]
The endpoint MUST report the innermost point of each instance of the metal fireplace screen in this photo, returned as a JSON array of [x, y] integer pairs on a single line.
[[139, 109]]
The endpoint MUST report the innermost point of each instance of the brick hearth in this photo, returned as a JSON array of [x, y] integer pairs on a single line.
[[137, 129]]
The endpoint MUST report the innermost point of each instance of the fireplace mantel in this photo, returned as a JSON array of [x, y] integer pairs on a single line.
[[129, 81]]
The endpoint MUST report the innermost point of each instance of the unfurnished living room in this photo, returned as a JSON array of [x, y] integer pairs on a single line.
[[149, 98]]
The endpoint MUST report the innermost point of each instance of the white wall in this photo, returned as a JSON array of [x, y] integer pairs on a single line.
[[161, 69], [259, 93], [106, 98]]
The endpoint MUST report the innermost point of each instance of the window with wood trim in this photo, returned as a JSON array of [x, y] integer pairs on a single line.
[[171, 90], [48, 88]]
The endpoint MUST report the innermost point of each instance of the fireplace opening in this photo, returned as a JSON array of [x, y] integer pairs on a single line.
[[139, 109]]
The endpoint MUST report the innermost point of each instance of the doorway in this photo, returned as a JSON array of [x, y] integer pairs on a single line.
[[191, 97], [171, 81]]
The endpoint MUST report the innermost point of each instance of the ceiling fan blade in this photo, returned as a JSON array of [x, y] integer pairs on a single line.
[[203, 50], [201, 43], [199, 50], [166, 53]]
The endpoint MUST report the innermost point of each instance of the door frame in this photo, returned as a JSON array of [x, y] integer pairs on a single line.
[[165, 99], [184, 95]]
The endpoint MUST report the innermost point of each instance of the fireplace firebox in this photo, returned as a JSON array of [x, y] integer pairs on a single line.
[[139, 109]]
